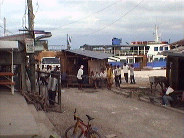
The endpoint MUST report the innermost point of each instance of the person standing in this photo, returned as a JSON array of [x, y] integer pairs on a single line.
[[43, 76], [109, 77], [119, 73], [103, 76], [117, 83], [52, 88], [125, 70], [79, 77], [132, 80]]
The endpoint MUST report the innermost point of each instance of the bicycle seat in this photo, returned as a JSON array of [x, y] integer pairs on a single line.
[[89, 117]]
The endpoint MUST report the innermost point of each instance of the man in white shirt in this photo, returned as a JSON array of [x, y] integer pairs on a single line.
[[125, 70], [79, 77], [52, 88], [103, 78], [167, 98], [43, 75]]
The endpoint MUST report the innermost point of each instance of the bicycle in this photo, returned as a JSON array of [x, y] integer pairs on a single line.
[[81, 130]]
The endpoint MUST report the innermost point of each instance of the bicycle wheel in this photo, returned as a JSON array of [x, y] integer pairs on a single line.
[[94, 134], [69, 133]]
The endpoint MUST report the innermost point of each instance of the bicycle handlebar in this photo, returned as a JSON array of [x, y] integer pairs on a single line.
[[76, 117]]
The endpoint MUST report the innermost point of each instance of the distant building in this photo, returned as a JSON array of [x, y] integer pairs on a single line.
[[116, 41]]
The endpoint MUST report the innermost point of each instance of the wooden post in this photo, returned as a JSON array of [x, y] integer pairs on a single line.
[[31, 56], [12, 86], [59, 91], [23, 75]]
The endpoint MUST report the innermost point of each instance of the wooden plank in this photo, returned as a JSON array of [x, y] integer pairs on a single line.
[[6, 74], [7, 83]]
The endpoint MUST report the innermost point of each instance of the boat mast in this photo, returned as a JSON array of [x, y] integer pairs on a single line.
[[157, 37]]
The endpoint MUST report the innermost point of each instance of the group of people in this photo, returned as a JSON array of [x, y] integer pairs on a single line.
[[48, 77], [116, 71], [107, 76]]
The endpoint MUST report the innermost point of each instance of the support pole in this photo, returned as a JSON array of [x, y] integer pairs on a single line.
[[31, 56], [12, 86]]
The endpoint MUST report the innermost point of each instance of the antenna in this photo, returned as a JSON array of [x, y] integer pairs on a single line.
[[157, 36]]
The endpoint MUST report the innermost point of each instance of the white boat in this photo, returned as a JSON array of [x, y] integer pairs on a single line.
[[143, 53]]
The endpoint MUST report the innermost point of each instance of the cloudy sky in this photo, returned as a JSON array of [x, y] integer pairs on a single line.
[[98, 21]]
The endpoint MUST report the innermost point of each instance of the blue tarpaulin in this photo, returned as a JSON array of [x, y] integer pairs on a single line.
[[154, 64]]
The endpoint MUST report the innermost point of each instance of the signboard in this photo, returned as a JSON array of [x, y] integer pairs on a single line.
[[29, 45]]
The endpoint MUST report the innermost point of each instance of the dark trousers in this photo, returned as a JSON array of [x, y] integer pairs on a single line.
[[103, 82], [119, 78], [52, 96], [117, 81], [126, 77], [132, 80]]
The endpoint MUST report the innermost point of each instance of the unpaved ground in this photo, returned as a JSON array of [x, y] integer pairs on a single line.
[[115, 114]]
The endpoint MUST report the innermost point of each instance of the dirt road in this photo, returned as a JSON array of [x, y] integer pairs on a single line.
[[115, 114]]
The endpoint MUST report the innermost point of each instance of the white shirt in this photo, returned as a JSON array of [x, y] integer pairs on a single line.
[[52, 84], [131, 71], [118, 71], [79, 74], [103, 75], [169, 90], [43, 74], [125, 68]]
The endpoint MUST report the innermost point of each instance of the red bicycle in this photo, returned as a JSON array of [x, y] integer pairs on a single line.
[[81, 130]]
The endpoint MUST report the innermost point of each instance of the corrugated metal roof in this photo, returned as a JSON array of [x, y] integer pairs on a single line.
[[180, 42], [92, 54], [179, 51], [8, 44]]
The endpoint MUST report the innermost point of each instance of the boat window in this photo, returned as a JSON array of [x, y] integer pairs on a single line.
[[123, 60], [166, 48], [161, 59], [161, 48], [50, 61], [131, 60], [155, 59], [155, 48]]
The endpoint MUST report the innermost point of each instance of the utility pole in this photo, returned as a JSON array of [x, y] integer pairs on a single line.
[[31, 55]]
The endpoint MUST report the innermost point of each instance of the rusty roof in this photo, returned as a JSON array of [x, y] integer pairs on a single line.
[[179, 51], [88, 53]]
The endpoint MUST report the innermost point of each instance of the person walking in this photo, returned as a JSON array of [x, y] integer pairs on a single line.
[[125, 70], [132, 80], [117, 82], [79, 77]]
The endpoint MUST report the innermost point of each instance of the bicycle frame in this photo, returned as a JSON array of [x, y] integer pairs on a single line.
[[80, 124]]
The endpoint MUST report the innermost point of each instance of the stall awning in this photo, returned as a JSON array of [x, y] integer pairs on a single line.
[[8, 45]]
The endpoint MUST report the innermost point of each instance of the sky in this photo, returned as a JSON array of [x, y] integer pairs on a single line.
[[96, 22]]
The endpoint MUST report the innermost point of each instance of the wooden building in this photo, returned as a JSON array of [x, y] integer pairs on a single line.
[[19, 56], [71, 60], [175, 67]]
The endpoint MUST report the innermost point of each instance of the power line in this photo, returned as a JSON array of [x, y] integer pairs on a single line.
[[118, 18], [6, 30], [90, 14]]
